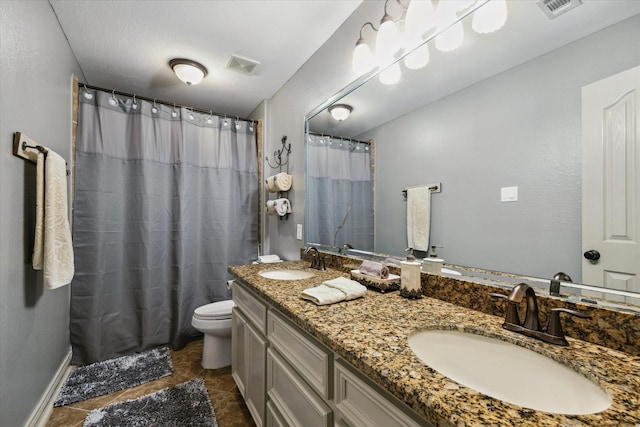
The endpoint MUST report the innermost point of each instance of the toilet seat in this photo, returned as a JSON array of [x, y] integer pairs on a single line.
[[220, 310]]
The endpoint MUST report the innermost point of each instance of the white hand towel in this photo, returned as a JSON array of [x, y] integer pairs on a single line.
[[283, 207], [351, 288], [271, 184], [283, 181], [418, 217], [38, 244], [268, 259], [323, 295], [57, 248], [271, 207]]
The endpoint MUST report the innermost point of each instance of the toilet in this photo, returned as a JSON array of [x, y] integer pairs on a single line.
[[214, 321]]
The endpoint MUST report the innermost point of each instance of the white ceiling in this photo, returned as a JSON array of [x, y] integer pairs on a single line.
[[126, 45]]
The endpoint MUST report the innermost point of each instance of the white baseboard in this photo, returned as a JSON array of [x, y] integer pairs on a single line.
[[41, 413]]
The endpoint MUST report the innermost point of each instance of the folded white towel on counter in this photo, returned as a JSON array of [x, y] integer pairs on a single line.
[[350, 288], [268, 259], [323, 295], [53, 248]]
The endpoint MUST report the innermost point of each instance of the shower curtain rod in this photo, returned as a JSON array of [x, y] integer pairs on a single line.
[[340, 137], [158, 101]]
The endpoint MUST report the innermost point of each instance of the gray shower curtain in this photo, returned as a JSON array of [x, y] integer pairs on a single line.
[[340, 185], [165, 200]]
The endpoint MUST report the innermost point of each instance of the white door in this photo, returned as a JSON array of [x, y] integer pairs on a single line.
[[611, 181]]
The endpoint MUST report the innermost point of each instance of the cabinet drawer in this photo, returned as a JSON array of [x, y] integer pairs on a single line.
[[308, 357], [361, 405], [254, 309], [295, 401]]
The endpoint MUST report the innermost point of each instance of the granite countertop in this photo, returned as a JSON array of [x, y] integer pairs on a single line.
[[371, 333]]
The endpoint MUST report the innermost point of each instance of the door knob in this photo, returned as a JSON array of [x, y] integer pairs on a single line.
[[592, 255]]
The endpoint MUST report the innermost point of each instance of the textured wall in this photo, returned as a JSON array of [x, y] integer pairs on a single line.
[[35, 83], [520, 128]]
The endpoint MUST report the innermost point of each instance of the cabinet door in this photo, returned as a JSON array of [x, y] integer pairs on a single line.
[[238, 365], [295, 401], [255, 357]]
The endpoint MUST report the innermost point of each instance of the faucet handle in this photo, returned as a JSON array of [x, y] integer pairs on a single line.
[[320, 265], [512, 315], [554, 327]]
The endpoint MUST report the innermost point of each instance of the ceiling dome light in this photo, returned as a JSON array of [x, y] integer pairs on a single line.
[[340, 112], [490, 17], [190, 72]]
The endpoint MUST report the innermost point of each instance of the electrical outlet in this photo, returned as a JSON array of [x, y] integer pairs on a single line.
[[299, 231]]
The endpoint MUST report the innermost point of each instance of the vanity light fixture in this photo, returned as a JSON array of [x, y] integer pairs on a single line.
[[423, 20], [340, 112], [363, 59], [190, 72], [490, 18]]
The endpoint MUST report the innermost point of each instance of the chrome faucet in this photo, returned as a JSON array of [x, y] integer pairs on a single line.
[[317, 262], [553, 334]]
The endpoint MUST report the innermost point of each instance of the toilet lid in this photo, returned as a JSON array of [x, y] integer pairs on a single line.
[[215, 310]]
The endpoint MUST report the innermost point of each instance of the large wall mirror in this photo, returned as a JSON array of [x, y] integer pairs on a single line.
[[503, 112]]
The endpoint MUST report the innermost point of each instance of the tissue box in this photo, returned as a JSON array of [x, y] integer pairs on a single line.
[[392, 283]]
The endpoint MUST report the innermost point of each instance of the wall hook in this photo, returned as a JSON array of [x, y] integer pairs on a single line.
[[285, 149]]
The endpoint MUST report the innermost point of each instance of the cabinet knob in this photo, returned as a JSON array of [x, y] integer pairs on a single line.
[[592, 255]]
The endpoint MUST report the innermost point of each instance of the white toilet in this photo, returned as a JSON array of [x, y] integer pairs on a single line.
[[214, 321]]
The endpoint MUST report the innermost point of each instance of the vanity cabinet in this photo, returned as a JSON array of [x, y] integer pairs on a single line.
[[249, 351], [289, 379]]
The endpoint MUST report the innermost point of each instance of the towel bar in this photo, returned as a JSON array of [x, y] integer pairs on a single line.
[[435, 188], [24, 147]]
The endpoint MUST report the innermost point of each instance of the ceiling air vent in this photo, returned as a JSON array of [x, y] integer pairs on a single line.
[[242, 65], [555, 8]]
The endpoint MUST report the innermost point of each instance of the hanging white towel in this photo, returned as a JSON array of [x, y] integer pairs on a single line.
[[279, 207], [418, 217], [53, 250], [279, 182], [38, 248]]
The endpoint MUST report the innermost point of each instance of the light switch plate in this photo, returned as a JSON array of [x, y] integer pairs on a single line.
[[299, 231], [509, 194]]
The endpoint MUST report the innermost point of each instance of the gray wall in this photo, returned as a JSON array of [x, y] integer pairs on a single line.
[[324, 74], [35, 86], [520, 128]]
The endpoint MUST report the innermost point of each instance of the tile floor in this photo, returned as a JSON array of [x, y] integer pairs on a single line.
[[227, 402]]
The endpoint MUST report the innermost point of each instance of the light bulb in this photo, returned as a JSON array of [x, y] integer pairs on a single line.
[[363, 60], [388, 41], [490, 17], [391, 75], [420, 18], [417, 59], [451, 38]]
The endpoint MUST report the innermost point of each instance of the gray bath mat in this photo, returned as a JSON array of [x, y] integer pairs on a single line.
[[114, 375], [186, 404]]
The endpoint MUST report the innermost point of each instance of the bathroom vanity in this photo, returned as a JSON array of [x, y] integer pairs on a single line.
[[350, 364]]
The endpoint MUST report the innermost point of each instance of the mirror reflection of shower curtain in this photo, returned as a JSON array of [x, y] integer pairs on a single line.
[[340, 184], [165, 201]]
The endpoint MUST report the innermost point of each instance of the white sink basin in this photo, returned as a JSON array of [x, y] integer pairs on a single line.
[[286, 274], [508, 372]]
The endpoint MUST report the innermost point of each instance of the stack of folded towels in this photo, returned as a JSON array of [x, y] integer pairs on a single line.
[[334, 290], [374, 269]]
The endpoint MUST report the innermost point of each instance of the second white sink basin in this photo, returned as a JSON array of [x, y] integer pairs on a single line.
[[508, 372], [286, 274]]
